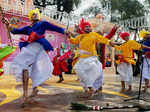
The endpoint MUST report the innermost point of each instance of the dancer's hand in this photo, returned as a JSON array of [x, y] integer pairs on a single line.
[[114, 43], [68, 33], [116, 26], [5, 21]]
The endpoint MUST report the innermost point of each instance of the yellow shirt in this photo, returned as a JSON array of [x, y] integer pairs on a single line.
[[127, 50], [88, 42]]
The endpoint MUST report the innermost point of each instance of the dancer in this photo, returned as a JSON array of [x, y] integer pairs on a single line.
[[33, 53], [103, 47], [125, 60], [146, 61], [60, 64], [56, 67], [88, 68]]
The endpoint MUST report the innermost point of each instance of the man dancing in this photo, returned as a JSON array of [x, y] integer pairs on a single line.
[[33, 60], [125, 60], [146, 61], [88, 68]]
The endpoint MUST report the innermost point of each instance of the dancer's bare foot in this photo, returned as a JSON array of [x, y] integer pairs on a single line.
[[122, 90], [24, 101], [98, 91], [129, 90], [145, 88], [90, 93], [34, 93], [61, 80], [78, 79]]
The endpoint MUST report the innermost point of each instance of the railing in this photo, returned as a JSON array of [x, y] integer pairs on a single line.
[[139, 23]]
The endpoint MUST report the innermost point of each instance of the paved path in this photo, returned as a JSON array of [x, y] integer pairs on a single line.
[[55, 97]]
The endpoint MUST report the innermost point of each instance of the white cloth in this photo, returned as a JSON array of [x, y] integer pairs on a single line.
[[41, 68], [146, 69], [126, 72], [7, 68], [90, 72]]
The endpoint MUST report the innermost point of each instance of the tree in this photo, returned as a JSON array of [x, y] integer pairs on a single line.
[[62, 5], [126, 9]]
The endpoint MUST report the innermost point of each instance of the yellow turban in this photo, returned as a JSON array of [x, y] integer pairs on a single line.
[[34, 11], [143, 33]]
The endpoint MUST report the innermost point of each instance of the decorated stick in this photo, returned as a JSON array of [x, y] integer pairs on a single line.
[[6, 26], [78, 106]]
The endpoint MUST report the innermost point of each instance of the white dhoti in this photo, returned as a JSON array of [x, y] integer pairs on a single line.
[[146, 69], [90, 72], [41, 67], [126, 72]]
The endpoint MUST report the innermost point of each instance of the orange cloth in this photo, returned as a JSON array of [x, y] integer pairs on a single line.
[[127, 51], [88, 43]]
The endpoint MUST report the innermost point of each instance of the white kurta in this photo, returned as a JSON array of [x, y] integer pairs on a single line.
[[146, 69], [41, 68], [90, 72], [126, 72]]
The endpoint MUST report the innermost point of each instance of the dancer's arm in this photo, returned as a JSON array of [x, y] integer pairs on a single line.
[[101, 39], [15, 30], [75, 40], [23, 30], [112, 32], [146, 47], [51, 27]]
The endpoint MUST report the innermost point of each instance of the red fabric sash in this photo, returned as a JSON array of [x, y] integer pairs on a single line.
[[33, 36], [147, 54]]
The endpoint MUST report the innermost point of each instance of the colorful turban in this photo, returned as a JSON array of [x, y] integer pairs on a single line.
[[83, 24], [143, 33], [124, 34], [34, 11]]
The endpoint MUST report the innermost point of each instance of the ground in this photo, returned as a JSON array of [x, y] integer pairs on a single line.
[[56, 97]]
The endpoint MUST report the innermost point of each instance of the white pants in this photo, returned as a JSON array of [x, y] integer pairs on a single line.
[[126, 72], [146, 69], [41, 66], [90, 72]]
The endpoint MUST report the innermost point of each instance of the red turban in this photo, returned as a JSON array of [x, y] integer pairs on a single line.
[[79, 31], [124, 34], [83, 24]]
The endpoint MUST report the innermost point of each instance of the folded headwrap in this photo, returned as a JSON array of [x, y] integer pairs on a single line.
[[83, 24], [124, 34], [143, 33], [34, 11]]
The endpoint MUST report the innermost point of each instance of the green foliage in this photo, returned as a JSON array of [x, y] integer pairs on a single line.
[[148, 2], [127, 9], [62, 5]]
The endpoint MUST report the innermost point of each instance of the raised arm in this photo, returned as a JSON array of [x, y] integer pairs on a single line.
[[52, 27], [112, 32], [14, 30]]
